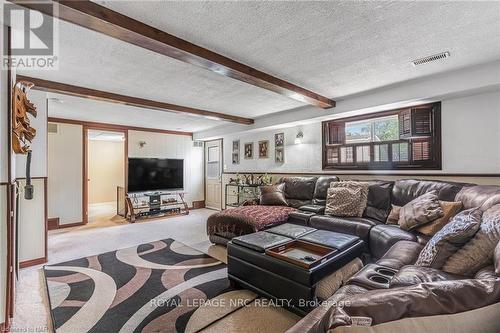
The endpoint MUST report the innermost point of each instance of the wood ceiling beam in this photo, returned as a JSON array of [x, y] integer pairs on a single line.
[[98, 18], [67, 89]]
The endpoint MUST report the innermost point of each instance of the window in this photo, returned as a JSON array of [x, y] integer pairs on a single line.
[[399, 139]]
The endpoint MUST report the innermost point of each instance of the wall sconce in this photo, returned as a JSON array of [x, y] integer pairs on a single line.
[[142, 144], [299, 137]]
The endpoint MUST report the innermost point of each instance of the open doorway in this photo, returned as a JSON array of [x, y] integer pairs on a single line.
[[105, 172]]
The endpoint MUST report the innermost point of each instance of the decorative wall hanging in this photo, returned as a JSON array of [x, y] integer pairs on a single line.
[[236, 152], [264, 149], [249, 150], [22, 132]]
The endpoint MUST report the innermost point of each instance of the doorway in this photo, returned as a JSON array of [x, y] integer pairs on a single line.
[[105, 172], [213, 174]]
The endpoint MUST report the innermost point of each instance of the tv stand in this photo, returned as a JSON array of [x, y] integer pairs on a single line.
[[155, 205]]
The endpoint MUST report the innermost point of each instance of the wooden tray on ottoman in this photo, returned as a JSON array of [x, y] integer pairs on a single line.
[[297, 251]]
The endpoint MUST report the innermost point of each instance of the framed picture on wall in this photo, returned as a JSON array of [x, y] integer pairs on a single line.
[[236, 158], [236, 146], [279, 155], [264, 149], [249, 150], [236, 152], [279, 140]]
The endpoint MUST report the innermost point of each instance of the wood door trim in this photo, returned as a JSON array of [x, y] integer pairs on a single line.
[[115, 127], [32, 262], [89, 93], [111, 128], [98, 18]]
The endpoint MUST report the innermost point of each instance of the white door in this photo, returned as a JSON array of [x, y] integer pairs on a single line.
[[213, 174]]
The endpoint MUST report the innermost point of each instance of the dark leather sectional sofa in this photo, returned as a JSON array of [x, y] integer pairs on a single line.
[[416, 291]]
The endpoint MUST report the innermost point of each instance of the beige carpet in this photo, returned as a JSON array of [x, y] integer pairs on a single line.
[[111, 233]]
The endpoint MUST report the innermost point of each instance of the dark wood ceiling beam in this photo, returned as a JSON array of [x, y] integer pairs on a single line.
[[67, 89], [101, 19]]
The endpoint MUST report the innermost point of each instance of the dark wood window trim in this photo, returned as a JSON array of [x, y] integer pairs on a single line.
[[417, 125]]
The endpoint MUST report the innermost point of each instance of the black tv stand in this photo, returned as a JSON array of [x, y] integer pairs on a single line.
[[155, 205]]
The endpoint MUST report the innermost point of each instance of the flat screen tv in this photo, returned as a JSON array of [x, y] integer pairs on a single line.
[[155, 174]]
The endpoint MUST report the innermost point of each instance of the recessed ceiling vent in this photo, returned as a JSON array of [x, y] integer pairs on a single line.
[[431, 58]]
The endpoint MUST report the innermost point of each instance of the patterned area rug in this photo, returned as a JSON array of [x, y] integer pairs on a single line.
[[163, 286]]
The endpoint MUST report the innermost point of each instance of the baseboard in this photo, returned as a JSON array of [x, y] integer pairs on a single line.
[[70, 225], [53, 223], [5, 326], [198, 205], [32, 262]]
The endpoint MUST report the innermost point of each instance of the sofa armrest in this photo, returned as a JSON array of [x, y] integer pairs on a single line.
[[400, 254], [317, 209], [425, 299]]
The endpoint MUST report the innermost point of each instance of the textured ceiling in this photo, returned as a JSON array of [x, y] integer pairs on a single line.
[[97, 111], [332, 48]]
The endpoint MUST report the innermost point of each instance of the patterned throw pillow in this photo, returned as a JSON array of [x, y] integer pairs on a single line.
[[497, 259], [448, 240], [273, 195], [346, 199], [478, 252], [393, 217], [420, 211], [450, 209]]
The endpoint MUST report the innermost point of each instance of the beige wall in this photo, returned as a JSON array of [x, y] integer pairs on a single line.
[[106, 169]]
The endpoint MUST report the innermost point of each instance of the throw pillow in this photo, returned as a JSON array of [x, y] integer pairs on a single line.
[[393, 217], [273, 195], [346, 199], [478, 252], [497, 259], [450, 209], [448, 240], [420, 211]]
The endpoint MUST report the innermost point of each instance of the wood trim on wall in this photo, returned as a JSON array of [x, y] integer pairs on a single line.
[[53, 223], [340, 173], [67, 89], [198, 204], [98, 18], [32, 262], [114, 127]]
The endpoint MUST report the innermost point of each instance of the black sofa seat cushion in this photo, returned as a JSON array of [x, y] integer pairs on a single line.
[[291, 230], [260, 241], [384, 236], [356, 226], [411, 275], [300, 217], [400, 254], [330, 239], [378, 204], [317, 209]]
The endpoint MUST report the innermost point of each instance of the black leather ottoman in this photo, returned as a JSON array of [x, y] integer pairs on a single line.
[[292, 285]]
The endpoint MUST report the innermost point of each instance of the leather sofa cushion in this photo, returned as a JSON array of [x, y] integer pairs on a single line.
[[497, 259], [321, 188], [406, 190], [477, 252], [487, 272], [400, 254], [410, 275], [419, 211], [448, 240], [378, 204], [318, 209], [273, 195], [300, 217], [357, 226], [297, 203], [299, 188], [384, 236], [484, 196]]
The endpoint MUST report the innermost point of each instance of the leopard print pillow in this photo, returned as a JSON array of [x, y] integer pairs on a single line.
[[448, 240], [347, 199]]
